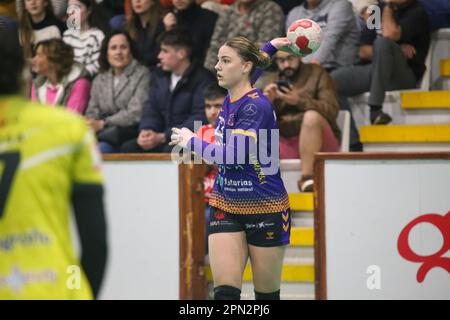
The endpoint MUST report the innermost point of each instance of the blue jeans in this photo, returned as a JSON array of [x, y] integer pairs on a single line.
[[107, 148]]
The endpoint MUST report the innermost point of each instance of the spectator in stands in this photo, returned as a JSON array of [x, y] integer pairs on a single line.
[[37, 23], [340, 33], [118, 93], [60, 80], [175, 99], [85, 39], [396, 58], [198, 22], [257, 20], [59, 8], [214, 98], [144, 26], [305, 102]]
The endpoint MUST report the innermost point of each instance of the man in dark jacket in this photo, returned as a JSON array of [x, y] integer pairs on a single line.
[[175, 98], [198, 22]]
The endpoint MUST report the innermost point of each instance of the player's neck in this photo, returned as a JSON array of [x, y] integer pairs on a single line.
[[239, 90]]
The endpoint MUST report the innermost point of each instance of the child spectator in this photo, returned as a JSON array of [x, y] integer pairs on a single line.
[[214, 98], [37, 23]]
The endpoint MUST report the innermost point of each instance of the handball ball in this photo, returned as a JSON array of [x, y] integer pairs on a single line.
[[305, 35]]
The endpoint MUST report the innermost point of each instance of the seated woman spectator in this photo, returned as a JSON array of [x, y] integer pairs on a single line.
[[144, 25], [60, 80], [87, 40], [198, 22], [37, 23], [118, 93]]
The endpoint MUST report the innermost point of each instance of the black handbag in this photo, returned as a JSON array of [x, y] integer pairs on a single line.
[[116, 135]]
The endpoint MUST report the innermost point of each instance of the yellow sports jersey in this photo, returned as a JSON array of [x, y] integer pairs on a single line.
[[43, 152]]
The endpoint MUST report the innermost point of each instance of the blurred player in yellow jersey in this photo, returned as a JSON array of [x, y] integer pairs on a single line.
[[48, 164]]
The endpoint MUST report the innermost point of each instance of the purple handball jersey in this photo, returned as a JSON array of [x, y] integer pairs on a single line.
[[248, 179]]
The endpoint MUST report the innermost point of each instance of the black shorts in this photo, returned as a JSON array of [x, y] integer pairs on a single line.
[[261, 230]]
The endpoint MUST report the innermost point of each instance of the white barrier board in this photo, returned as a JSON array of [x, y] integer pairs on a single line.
[[143, 230], [368, 203]]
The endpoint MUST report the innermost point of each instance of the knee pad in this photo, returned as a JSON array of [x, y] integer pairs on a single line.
[[227, 293], [267, 296]]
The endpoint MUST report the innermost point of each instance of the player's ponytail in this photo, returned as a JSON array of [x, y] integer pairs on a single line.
[[264, 60], [248, 51]]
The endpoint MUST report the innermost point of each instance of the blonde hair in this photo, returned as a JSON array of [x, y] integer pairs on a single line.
[[248, 51]]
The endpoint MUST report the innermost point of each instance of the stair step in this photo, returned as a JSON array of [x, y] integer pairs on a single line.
[[405, 134], [292, 272], [445, 68], [288, 291], [425, 99], [302, 222], [302, 236], [301, 201]]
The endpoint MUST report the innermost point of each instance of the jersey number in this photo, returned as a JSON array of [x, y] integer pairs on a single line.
[[10, 162]]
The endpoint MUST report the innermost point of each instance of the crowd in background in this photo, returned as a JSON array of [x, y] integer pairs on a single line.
[[136, 68]]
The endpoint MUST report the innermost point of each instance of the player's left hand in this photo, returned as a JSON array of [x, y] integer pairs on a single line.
[[283, 44], [181, 137]]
